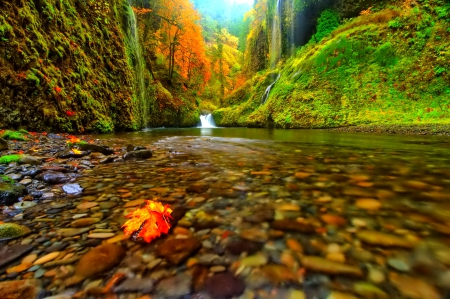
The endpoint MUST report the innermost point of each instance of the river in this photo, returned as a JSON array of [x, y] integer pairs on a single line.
[[273, 214]]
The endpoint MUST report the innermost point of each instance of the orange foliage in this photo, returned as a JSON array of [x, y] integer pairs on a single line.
[[148, 222], [366, 12], [181, 41], [141, 11]]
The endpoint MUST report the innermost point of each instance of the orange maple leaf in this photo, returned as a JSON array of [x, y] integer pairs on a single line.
[[148, 222]]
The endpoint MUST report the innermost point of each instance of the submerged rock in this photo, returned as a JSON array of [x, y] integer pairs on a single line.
[[19, 289], [97, 260], [319, 264], [383, 239], [96, 149], [178, 250], [140, 154], [10, 193], [224, 285], [12, 230], [53, 177], [71, 154]]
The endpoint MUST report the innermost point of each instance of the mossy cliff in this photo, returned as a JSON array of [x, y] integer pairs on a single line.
[[389, 66], [64, 66]]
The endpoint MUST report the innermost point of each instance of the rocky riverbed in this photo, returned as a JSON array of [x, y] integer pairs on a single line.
[[250, 220]]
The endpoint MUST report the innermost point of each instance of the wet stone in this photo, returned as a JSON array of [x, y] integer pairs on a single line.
[[72, 188], [135, 285], [56, 247], [240, 246], [139, 154], [224, 286], [13, 252], [53, 177], [178, 250], [166, 289], [292, 225]]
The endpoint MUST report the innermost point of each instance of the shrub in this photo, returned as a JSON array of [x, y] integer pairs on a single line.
[[327, 22]]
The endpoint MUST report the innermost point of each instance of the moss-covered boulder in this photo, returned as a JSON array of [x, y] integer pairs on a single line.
[[10, 158], [12, 230], [10, 192], [12, 135]]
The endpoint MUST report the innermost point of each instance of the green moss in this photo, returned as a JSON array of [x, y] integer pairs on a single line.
[[6, 179], [9, 158], [365, 72], [11, 135], [12, 230]]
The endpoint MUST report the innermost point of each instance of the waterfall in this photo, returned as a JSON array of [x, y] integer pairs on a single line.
[[138, 66], [266, 93], [207, 121], [292, 27], [275, 48]]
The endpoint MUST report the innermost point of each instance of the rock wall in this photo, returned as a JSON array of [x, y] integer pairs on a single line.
[[64, 66]]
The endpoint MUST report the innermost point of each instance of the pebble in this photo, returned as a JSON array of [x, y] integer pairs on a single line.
[[47, 258], [101, 235]]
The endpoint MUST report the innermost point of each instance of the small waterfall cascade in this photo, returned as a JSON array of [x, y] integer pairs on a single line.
[[207, 121], [275, 47], [266, 93], [138, 66]]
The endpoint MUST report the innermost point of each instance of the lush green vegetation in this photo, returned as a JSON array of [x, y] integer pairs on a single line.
[[103, 66], [389, 66], [12, 135], [10, 158]]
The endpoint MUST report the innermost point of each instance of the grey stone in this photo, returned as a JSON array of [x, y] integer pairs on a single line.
[[141, 154], [13, 252], [142, 285], [96, 149], [72, 188]]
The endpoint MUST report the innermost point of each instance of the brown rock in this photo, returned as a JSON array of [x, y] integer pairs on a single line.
[[178, 250], [97, 260], [383, 239], [83, 222], [224, 286], [319, 264], [19, 289], [292, 225], [413, 288]]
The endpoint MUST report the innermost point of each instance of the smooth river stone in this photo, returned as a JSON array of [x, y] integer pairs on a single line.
[[118, 238], [47, 258], [101, 235], [70, 232], [84, 222], [87, 205], [29, 259], [319, 264], [95, 261], [383, 239], [134, 203], [107, 204], [413, 288], [368, 204]]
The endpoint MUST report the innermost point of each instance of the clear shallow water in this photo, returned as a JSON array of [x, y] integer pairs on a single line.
[[301, 203]]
